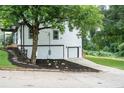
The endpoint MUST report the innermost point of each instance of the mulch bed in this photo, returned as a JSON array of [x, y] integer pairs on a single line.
[[64, 65], [61, 65]]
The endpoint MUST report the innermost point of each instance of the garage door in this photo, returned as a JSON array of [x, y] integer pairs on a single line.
[[73, 52], [50, 52]]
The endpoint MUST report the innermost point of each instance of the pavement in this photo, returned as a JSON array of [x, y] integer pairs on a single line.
[[107, 78], [43, 79]]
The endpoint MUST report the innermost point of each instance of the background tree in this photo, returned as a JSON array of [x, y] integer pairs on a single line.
[[83, 18], [113, 33]]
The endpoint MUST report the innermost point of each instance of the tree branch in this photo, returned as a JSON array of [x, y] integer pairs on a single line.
[[45, 28], [25, 21]]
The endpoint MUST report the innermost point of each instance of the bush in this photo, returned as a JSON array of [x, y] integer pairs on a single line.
[[103, 53], [120, 54], [121, 47], [121, 50], [114, 47], [106, 48], [90, 46], [98, 53], [94, 53]]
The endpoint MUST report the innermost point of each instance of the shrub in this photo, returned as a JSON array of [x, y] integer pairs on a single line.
[[114, 47], [98, 53], [94, 53], [103, 53], [120, 53], [121, 47], [106, 48], [90, 46]]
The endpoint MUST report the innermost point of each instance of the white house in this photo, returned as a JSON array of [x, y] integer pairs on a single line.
[[51, 44]]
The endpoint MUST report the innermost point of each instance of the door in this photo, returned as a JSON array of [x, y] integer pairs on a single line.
[[73, 52]]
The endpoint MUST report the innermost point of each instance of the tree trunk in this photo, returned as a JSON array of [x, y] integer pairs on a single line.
[[35, 43]]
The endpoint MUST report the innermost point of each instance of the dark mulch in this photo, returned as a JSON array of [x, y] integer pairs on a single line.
[[16, 58], [64, 66]]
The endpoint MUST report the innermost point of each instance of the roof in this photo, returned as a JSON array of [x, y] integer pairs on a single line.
[[6, 30], [11, 29]]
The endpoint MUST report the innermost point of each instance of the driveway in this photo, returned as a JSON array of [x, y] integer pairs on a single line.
[[52, 79]]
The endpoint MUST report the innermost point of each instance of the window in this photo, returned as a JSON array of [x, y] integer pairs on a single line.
[[30, 34], [55, 35]]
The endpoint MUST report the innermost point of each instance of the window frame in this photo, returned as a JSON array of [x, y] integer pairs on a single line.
[[30, 34], [55, 35]]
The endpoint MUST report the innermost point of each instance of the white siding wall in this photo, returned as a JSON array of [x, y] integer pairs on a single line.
[[56, 52], [68, 39], [27, 40]]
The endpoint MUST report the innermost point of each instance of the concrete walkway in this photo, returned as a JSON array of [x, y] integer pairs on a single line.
[[91, 64]]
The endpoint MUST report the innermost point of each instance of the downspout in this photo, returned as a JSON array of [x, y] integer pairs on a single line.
[[49, 51], [21, 36]]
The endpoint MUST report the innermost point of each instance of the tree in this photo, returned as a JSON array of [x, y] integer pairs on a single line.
[[114, 27], [83, 18], [113, 33]]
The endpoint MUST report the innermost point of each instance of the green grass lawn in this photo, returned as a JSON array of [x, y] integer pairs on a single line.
[[4, 62], [107, 61]]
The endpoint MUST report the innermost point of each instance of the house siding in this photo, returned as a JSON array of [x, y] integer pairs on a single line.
[[58, 47]]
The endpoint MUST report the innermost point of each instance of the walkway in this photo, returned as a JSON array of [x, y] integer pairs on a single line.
[[91, 64]]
